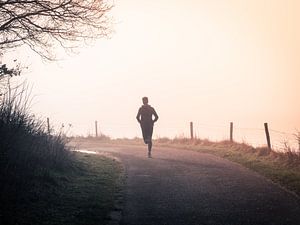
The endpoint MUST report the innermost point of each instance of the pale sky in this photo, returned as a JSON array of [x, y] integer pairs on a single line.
[[211, 62]]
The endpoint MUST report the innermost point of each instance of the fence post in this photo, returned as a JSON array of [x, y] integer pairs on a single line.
[[192, 130], [231, 131], [48, 125], [96, 128], [298, 139], [267, 135]]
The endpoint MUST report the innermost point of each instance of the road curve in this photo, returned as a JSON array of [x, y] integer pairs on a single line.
[[181, 187]]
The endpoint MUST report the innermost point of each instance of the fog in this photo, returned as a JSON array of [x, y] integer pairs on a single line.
[[210, 62]]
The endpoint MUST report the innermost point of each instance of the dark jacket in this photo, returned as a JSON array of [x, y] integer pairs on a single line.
[[145, 113]]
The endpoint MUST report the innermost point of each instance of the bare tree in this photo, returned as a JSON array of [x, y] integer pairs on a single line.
[[6, 73], [42, 24]]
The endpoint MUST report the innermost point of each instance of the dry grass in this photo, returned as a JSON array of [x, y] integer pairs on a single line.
[[41, 181], [287, 156]]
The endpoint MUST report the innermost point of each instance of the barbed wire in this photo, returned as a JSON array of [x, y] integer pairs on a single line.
[[281, 132]]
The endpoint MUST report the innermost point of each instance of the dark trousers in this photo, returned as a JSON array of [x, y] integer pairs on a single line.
[[147, 131]]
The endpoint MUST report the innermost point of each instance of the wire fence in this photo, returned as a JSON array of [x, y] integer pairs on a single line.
[[280, 140]]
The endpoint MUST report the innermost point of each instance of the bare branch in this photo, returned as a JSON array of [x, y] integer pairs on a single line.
[[41, 24]]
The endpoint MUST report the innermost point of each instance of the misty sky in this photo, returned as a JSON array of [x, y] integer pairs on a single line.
[[211, 62]]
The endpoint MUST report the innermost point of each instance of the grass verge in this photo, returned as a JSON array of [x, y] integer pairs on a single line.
[[79, 196]]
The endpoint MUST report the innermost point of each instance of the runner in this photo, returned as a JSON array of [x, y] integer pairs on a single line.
[[145, 118]]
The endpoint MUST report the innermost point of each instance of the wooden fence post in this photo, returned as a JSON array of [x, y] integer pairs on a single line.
[[96, 128], [267, 135], [298, 139], [192, 130], [48, 125], [231, 131]]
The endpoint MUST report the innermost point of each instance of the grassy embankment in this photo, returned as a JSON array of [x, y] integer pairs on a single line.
[[77, 196], [281, 167], [41, 181]]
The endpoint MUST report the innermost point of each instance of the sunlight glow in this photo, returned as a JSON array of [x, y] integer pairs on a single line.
[[211, 62]]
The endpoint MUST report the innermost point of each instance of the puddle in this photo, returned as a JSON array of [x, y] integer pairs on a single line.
[[107, 154], [85, 151]]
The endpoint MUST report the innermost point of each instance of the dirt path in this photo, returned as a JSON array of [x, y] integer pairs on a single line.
[[186, 187]]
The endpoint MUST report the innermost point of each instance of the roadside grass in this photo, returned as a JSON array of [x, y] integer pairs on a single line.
[[82, 195], [41, 180], [282, 168]]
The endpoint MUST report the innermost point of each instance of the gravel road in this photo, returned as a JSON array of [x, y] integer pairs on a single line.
[[190, 188]]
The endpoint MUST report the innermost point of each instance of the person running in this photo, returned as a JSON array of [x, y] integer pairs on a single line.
[[145, 118]]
